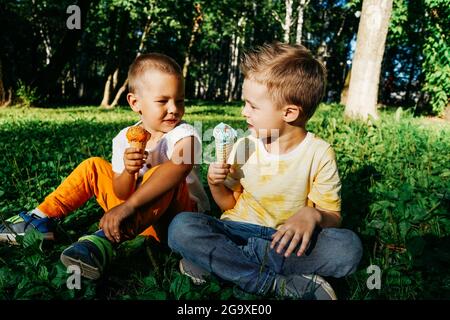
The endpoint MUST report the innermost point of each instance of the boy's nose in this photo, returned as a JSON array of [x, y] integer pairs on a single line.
[[244, 111], [172, 108]]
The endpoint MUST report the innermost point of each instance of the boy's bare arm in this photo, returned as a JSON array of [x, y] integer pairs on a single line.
[[167, 176], [124, 184], [224, 197], [329, 219]]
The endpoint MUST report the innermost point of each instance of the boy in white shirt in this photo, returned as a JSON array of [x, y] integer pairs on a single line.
[[280, 192], [140, 191]]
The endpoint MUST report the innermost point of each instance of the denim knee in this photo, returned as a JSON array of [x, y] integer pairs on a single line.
[[179, 230], [347, 259]]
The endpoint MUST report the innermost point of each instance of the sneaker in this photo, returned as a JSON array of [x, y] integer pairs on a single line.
[[90, 253], [19, 224], [307, 287], [197, 274]]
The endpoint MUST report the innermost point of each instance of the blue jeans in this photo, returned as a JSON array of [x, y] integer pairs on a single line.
[[240, 252]]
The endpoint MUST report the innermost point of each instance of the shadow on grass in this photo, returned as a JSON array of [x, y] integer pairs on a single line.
[[356, 201], [431, 257]]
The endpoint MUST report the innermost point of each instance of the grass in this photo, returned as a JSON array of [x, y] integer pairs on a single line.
[[396, 197]]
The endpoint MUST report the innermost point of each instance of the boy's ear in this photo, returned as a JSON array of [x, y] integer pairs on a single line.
[[292, 113], [133, 102]]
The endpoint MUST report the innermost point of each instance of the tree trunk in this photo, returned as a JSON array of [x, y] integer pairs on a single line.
[[148, 24], [107, 92], [234, 55], [203, 81], [47, 77], [110, 86], [2, 87], [287, 21], [344, 93], [372, 31], [301, 10], [43, 33], [123, 87], [236, 44], [195, 29], [8, 98], [5, 98], [322, 52], [115, 78], [119, 93]]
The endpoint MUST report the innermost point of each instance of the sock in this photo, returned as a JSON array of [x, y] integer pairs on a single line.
[[39, 213]]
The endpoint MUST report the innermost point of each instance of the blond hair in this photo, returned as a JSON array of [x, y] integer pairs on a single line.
[[151, 61], [290, 73]]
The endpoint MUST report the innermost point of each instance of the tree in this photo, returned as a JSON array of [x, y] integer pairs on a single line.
[[436, 64], [196, 22], [5, 98], [237, 42], [302, 4], [287, 23], [370, 42], [404, 43], [344, 93], [114, 64], [227, 27], [47, 77], [329, 29], [124, 85], [114, 52]]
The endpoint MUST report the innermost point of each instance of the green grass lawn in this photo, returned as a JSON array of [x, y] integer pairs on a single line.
[[396, 197]]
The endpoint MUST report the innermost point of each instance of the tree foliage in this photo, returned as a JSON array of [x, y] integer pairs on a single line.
[[436, 51], [417, 58], [34, 56]]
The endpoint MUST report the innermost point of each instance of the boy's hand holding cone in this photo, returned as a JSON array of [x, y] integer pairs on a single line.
[[224, 138], [138, 137], [135, 156]]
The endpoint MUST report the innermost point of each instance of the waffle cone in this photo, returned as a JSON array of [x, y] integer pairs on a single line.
[[223, 150], [138, 144]]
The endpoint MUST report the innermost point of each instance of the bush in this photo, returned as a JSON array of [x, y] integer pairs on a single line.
[[26, 95]]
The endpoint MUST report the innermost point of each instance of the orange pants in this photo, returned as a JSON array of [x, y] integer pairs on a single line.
[[93, 177]]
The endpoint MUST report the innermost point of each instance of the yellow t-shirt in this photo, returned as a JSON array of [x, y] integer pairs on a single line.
[[274, 186]]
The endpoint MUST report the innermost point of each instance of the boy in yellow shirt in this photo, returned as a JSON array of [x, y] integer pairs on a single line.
[[280, 192]]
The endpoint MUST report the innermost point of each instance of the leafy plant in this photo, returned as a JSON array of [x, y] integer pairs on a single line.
[[436, 63], [27, 95]]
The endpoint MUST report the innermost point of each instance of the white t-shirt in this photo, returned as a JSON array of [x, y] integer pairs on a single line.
[[162, 153]]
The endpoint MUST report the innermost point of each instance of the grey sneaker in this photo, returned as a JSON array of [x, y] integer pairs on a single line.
[[19, 224], [307, 287], [197, 274]]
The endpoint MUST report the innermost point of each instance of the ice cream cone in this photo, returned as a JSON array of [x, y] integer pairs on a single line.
[[137, 144], [138, 137], [224, 138]]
